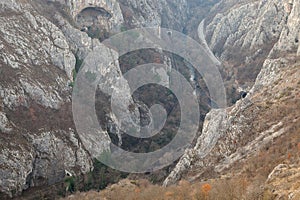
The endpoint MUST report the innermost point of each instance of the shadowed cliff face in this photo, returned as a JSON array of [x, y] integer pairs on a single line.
[[91, 16]]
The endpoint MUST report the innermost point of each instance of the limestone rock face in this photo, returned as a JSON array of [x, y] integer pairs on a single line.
[[37, 59], [42, 160], [243, 33], [4, 123], [247, 26], [278, 185], [16, 168], [51, 146], [33, 45], [49, 42], [108, 69], [39, 141], [36, 70], [168, 14], [115, 16], [111, 6], [79, 41], [289, 38], [212, 130], [234, 133]]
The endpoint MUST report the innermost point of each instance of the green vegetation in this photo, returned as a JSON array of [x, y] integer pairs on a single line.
[[157, 78], [90, 76], [97, 33], [123, 28], [70, 182], [101, 176], [78, 65]]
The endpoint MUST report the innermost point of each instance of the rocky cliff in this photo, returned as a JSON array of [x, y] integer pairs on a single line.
[[168, 14], [269, 110], [44, 42], [38, 140], [243, 35], [42, 45]]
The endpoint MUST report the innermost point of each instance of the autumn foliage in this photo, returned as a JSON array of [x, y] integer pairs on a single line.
[[205, 189]]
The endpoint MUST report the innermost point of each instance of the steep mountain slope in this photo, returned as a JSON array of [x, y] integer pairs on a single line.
[[38, 140], [44, 42], [243, 35], [270, 111]]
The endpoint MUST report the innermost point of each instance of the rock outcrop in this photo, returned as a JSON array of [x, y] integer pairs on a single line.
[[168, 14], [38, 59], [57, 146], [243, 29], [243, 33], [235, 133], [39, 56], [114, 19], [279, 187], [240, 131], [123, 14], [289, 37], [112, 6], [37, 143]]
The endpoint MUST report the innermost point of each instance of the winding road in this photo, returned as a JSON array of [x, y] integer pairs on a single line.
[[203, 41]]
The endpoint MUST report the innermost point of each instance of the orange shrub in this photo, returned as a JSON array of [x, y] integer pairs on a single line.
[[169, 194], [206, 188]]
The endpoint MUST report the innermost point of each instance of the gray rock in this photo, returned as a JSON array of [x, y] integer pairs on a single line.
[[36, 68], [13, 97], [16, 165], [158, 13], [102, 61], [213, 129], [223, 130], [54, 155], [41, 94], [41, 160], [269, 74], [49, 44], [4, 123], [289, 38], [250, 25]]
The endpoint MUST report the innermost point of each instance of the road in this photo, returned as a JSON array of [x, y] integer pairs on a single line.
[[203, 41]]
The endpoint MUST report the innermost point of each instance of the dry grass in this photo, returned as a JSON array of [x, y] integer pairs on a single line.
[[236, 188]]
